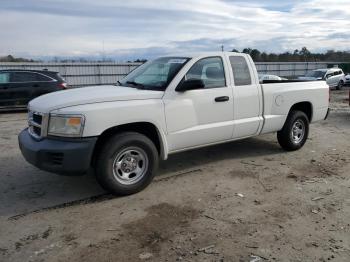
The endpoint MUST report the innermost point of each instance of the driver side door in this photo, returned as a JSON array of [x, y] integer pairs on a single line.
[[202, 116]]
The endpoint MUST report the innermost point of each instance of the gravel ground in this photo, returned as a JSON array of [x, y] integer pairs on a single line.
[[242, 201]]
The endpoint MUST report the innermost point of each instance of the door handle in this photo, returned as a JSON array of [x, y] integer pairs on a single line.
[[222, 99]]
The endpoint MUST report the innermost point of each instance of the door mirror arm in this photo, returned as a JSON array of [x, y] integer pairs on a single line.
[[190, 84]]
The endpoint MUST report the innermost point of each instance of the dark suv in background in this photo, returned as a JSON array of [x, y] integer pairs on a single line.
[[18, 87]]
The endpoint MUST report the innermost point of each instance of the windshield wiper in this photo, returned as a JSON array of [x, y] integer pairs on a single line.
[[138, 85], [134, 83]]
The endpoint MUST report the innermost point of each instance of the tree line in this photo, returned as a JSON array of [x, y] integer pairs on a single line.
[[10, 58], [302, 55]]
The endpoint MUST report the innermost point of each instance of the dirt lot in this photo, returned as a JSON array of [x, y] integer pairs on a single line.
[[242, 201]]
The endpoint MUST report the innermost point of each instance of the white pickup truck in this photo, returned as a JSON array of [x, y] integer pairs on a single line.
[[165, 106]]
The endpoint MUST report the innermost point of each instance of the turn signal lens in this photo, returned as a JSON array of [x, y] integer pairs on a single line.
[[74, 121]]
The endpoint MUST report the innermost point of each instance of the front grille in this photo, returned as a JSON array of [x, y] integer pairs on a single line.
[[37, 118], [36, 130], [36, 122]]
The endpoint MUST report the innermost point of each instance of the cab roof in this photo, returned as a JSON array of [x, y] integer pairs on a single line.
[[200, 54]]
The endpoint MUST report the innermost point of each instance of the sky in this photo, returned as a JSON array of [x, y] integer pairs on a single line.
[[125, 30]]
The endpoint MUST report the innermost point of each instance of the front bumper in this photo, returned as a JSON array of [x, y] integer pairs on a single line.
[[61, 156]]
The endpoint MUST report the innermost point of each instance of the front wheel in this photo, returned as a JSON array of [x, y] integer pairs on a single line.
[[126, 163], [340, 85], [294, 132]]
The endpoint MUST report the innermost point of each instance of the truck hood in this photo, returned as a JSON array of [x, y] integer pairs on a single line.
[[88, 95]]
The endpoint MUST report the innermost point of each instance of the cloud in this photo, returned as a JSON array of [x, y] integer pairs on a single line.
[[340, 36], [150, 28]]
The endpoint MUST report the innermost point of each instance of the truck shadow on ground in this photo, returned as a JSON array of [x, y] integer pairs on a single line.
[[241, 149], [39, 191]]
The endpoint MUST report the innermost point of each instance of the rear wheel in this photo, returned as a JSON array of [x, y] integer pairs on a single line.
[[126, 163], [340, 85], [294, 132]]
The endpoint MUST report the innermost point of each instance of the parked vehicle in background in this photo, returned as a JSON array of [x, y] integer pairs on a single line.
[[263, 78], [18, 87], [347, 83], [165, 106], [334, 77], [347, 79]]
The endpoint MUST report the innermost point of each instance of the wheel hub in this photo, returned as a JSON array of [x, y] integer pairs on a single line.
[[130, 165], [298, 131]]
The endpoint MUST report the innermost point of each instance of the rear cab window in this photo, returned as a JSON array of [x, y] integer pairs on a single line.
[[241, 71]]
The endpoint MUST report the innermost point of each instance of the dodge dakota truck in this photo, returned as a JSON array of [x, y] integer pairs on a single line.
[[167, 105]]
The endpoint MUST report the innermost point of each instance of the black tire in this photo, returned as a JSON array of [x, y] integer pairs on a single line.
[[340, 85], [109, 175], [285, 136]]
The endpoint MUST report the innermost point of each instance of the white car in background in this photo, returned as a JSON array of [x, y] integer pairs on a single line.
[[347, 79], [263, 78], [334, 77]]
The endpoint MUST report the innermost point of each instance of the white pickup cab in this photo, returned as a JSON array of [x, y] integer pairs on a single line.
[[167, 105]]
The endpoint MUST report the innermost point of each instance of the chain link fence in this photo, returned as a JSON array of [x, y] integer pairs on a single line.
[[99, 73]]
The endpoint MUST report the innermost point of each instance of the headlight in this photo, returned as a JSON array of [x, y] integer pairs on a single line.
[[66, 125]]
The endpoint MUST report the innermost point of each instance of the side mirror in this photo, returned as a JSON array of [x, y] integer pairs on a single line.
[[190, 84]]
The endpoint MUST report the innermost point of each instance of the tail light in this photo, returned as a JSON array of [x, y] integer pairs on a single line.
[[63, 85]]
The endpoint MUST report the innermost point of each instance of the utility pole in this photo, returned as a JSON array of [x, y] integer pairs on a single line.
[[103, 51]]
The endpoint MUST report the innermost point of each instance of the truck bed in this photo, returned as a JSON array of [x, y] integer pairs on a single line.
[[280, 96]]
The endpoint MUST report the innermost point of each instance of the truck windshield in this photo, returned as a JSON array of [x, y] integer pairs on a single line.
[[156, 74], [316, 74]]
